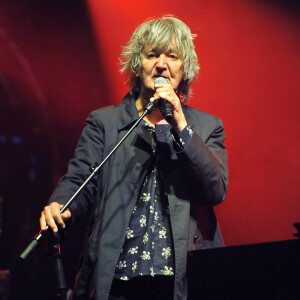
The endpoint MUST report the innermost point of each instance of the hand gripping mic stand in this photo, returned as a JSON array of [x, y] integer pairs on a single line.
[[54, 237]]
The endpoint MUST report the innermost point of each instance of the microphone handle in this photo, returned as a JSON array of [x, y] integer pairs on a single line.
[[165, 108]]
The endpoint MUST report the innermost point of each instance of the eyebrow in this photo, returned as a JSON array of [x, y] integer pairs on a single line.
[[168, 50]]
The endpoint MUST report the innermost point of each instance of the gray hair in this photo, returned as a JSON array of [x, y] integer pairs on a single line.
[[159, 32]]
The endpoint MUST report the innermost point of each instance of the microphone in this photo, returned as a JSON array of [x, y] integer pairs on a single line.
[[165, 106]]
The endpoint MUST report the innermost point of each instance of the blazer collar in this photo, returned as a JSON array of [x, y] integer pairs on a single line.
[[127, 111]]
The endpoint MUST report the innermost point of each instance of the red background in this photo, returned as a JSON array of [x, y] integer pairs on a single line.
[[249, 58], [59, 61]]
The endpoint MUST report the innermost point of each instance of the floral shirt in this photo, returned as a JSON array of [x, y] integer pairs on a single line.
[[147, 248]]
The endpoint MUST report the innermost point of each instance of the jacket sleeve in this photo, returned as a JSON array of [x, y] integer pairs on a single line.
[[88, 151], [204, 162]]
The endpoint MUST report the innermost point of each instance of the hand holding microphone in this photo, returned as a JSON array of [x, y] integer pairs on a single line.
[[164, 106], [171, 109]]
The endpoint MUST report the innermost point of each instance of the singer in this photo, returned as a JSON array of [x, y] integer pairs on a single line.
[[152, 202]]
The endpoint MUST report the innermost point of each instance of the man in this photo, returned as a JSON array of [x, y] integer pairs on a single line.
[[153, 200]]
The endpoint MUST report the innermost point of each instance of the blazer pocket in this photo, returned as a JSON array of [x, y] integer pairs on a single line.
[[192, 234]]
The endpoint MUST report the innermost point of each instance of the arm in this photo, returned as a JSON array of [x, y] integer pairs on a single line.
[[88, 151], [204, 163], [204, 157]]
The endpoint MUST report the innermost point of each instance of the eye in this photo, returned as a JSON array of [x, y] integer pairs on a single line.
[[172, 56], [150, 55]]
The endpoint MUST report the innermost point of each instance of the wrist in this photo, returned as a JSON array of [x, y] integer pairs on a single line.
[[179, 127]]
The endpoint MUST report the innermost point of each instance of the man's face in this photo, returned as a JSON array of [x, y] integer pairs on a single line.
[[167, 64]]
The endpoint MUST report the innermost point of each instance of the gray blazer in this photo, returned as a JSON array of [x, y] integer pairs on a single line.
[[196, 180]]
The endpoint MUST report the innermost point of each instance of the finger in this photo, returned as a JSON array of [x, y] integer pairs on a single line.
[[48, 215], [43, 223], [57, 215], [164, 88], [165, 96], [161, 91], [66, 215]]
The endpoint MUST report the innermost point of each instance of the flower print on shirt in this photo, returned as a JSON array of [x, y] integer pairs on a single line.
[[143, 221], [145, 238], [166, 252], [167, 271], [163, 233], [129, 233], [146, 197], [133, 250], [146, 255]]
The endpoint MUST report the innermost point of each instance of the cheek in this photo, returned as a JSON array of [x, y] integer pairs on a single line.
[[145, 64], [177, 69], [178, 74]]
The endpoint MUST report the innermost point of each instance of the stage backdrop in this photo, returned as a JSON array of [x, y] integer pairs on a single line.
[[59, 61], [250, 66]]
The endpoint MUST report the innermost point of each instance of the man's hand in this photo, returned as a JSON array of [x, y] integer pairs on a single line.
[[166, 92], [51, 216]]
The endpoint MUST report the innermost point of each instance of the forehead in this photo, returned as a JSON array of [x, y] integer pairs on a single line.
[[164, 47]]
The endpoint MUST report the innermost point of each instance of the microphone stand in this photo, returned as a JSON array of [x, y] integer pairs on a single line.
[[55, 241], [59, 268]]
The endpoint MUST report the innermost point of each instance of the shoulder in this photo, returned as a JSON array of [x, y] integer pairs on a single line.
[[114, 114], [103, 117], [106, 112], [198, 118]]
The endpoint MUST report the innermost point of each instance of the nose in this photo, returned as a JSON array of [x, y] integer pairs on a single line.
[[162, 61]]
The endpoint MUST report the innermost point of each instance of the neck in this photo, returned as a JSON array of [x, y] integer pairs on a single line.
[[155, 117]]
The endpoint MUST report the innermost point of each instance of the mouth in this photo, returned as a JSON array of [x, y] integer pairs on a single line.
[[156, 76]]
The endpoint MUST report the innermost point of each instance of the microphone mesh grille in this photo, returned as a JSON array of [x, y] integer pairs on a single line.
[[161, 80]]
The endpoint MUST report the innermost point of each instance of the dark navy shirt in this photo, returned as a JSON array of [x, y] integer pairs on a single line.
[[147, 249]]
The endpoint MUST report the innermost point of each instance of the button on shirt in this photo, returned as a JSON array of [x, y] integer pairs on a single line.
[[147, 248]]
